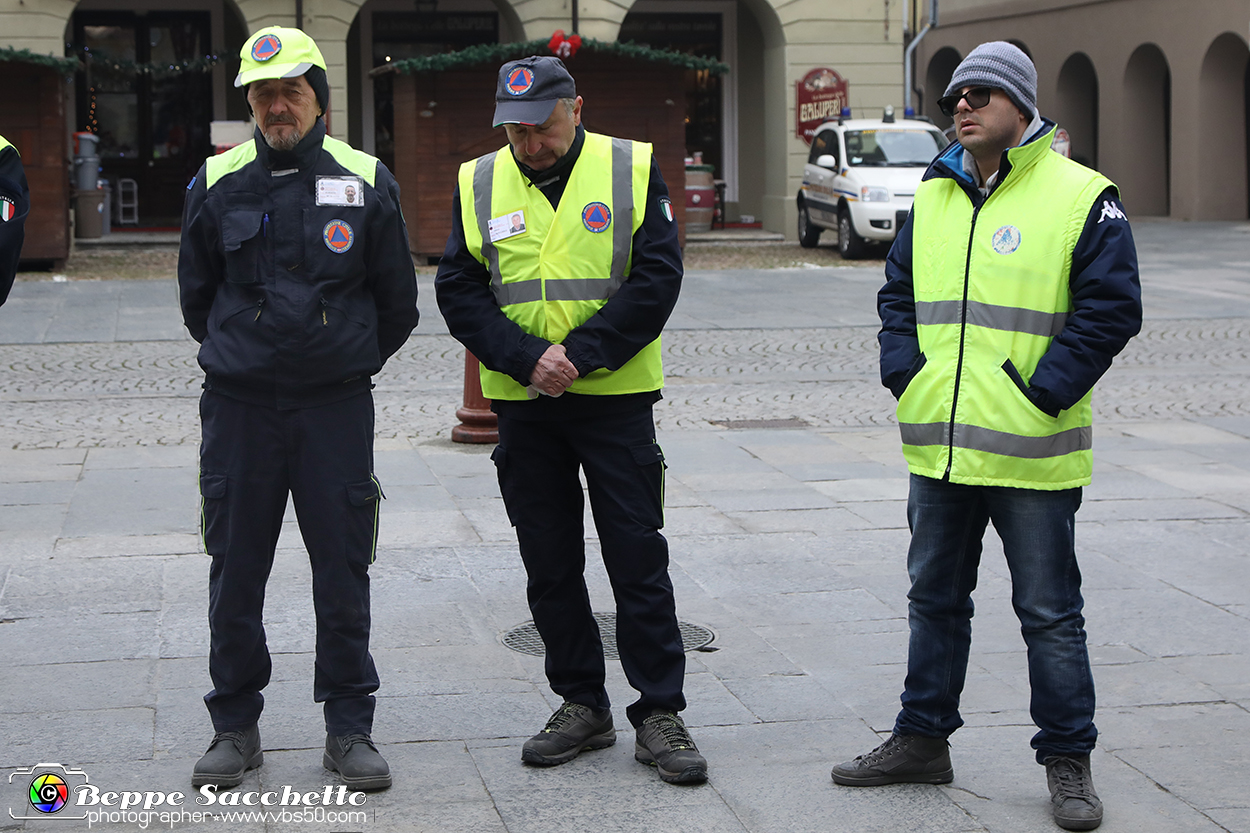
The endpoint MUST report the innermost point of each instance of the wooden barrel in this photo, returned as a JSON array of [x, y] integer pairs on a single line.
[[700, 197]]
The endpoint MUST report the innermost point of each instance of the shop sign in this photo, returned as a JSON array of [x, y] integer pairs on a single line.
[[820, 96]]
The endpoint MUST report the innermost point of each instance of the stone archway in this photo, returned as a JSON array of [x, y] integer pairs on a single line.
[[941, 69], [1076, 109], [1221, 137], [1145, 167]]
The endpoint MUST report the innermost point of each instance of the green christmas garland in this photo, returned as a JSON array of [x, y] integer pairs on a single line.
[[487, 53], [105, 64], [25, 56]]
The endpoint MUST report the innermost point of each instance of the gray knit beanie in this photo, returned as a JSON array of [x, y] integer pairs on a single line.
[[1002, 65]]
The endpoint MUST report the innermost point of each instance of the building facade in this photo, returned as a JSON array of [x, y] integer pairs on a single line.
[[1154, 93], [155, 129]]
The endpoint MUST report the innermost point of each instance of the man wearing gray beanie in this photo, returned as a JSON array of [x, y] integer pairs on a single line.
[[1009, 290]]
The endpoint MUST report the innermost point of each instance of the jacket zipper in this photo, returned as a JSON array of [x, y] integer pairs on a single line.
[[324, 305], [963, 328], [260, 304]]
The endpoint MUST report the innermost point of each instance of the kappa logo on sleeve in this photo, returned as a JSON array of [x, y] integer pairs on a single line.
[[1111, 211]]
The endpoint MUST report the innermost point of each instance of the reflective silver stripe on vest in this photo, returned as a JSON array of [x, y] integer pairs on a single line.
[[580, 289], [520, 292], [992, 316], [976, 438], [483, 190], [622, 210]]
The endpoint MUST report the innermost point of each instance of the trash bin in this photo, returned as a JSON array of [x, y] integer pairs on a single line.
[[89, 214], [86, 172], [700, 197], [85, 143]]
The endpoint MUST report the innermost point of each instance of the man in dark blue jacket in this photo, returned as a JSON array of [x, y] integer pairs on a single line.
[[14, 206], [295, 277], [1010, 289]]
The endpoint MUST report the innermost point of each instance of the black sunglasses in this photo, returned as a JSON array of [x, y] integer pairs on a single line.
[[977, 98]]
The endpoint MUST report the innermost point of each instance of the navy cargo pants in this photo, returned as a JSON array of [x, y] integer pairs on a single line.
[[252, 456], [537, 463]]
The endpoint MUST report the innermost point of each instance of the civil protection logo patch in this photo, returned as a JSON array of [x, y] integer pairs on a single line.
[[596, 217], [1006, 240], [266, 48], [7, 209], [519, 81], [338, 236]]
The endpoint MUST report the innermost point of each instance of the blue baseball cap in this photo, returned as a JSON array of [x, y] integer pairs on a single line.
[[528, 89]]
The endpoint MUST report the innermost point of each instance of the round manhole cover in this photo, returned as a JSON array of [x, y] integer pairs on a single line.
[[524, 638]]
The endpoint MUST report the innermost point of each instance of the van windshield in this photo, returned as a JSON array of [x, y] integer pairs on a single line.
[[893, 148]]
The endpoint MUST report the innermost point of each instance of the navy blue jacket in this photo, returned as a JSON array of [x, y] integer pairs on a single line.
[[14, 206], [1106, 297], [294, 303], [632, 319]]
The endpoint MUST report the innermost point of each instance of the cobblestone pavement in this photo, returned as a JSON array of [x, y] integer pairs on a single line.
[[144, 393]]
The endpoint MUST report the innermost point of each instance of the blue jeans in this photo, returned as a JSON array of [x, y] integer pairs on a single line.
[[947, 522]]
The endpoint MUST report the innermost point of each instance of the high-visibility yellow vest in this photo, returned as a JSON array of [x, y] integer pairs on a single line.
[[569, 260], [992, 292]]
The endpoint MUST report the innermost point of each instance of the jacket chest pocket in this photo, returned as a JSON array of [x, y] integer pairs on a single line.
[[247, 244]]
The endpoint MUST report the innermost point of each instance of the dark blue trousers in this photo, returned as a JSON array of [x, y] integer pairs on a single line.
[[251, 458], [538, 464]]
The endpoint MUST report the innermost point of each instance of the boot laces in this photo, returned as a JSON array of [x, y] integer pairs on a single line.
[[563, 716], [348, 741], [1071, 779], [673, 730], [883, 751], [237, 738]]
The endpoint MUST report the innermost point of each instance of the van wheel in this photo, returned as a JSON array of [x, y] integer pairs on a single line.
[[809, 234], [850, 244]]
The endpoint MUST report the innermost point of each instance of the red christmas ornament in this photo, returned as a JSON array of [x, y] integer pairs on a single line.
[[564, 46]]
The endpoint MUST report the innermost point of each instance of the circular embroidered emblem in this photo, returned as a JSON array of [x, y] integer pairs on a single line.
[[519, 81], [338, 236], [1006, 240], [7, 209], [596, 217], [266, 48]]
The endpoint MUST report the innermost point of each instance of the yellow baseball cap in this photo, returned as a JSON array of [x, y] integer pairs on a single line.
[[277, 52]]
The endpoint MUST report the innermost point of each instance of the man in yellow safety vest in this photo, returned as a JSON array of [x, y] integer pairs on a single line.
[[1008, 292], [561, 270]]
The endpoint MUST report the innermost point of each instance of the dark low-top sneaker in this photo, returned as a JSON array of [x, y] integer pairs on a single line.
[[664, 743], [357, 761], [229, 756], [1073, 801], [903, 759], [572, 728]]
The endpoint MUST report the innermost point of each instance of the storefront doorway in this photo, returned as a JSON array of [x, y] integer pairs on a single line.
[[153, 125]]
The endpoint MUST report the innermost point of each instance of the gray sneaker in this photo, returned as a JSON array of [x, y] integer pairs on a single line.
[[1073, 801], [572, 728], [357, 761], [229, 756], [903, 759], [664, 743]]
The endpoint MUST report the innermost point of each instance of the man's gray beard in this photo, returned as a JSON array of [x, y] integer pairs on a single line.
[[282, 141]]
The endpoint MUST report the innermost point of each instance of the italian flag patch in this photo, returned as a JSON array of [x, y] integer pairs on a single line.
[[666, 206], [7, 209]]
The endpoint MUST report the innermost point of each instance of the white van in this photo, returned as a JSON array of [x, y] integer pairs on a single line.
[[860, 178]]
